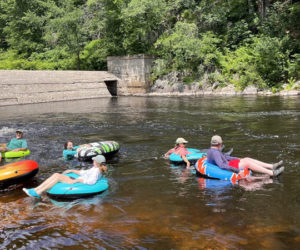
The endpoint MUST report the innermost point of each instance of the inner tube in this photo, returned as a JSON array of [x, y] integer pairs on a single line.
[[203, 168], [64, 191], [106, 148], [13, 154], [18, 172], [195, 155]]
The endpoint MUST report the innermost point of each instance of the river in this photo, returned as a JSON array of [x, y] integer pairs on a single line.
[[151, 204]]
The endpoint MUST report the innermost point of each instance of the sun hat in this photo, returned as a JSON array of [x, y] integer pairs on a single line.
[[216, 140], [181, 140], [99, 159]]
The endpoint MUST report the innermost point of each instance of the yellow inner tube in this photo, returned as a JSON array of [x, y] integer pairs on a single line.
[[13, 154]]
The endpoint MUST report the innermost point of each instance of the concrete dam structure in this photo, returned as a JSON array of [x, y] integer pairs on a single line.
[[125, 76]]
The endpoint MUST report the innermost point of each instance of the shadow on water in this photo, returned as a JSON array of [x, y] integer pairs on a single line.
[[151, 204]]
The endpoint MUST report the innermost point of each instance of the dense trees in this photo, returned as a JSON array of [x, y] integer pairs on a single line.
[[234, 41]]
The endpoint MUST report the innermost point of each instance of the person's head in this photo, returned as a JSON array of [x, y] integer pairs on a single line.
[[19, 134], [68, 145], [216, 141], [99, 161], [181, 142]]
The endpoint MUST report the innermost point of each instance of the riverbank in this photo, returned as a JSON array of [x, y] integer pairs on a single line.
[[172, 86]]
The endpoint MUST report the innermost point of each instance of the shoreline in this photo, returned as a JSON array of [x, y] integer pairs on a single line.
[[285, 93]]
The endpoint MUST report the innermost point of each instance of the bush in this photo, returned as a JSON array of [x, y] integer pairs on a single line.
[[94, 55], [50, 60], [262, 63], [238, 67], [183, 50]]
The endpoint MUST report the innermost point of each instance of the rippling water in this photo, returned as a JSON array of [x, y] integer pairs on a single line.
[[151, 204]]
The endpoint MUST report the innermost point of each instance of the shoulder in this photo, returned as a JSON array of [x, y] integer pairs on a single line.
[[171, 150], [213, 151]]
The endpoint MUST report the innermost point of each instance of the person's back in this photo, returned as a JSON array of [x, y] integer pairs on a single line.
[[215, 157]]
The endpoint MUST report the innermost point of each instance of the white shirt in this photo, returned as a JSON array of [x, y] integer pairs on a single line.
[[90, 176]]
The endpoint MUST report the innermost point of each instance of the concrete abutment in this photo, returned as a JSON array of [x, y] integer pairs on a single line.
[[126, 75]]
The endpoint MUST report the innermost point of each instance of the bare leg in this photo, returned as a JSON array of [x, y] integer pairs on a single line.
[[246, 163], [260, 163], [51, 181]]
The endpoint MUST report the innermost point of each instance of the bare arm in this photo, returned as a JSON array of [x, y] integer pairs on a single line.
[[167, 155], [72, 171], [19, 149], [188, 165]]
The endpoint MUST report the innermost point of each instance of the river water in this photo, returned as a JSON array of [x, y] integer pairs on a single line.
[[151, 204]]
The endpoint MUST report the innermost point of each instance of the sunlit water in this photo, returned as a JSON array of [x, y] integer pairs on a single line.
[[151, 204]]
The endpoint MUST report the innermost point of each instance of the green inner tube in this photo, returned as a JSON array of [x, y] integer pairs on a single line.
[[13, 154]]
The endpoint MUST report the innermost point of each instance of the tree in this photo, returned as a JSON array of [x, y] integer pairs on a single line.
[[184, 50], [68, 30], [141, 24], [24, 24]]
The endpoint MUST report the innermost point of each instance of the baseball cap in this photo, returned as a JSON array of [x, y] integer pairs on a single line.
[[216, 140], [181, 140], [99, 159], [19, 131]]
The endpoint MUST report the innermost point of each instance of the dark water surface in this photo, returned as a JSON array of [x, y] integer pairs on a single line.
[[151, 204]]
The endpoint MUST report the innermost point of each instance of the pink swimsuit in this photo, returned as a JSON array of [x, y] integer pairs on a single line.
[[179, 151]]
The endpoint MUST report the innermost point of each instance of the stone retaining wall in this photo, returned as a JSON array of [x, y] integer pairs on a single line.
[[22, 86], [134, 71]]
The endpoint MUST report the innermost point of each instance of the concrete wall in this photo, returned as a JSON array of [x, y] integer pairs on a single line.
[[134, 71], [22, 86], [127, 75]]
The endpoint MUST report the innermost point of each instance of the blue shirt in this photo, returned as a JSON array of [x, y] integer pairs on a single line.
[[17, 143], [214, 156], [69, 154]]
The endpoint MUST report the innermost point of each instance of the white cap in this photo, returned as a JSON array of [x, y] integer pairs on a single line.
[[99, 159], [181, 140], [216, 140]]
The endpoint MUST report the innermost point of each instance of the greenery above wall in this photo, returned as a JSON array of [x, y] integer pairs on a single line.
[[242, 42]]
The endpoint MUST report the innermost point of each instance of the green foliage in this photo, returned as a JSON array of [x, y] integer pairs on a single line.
[[270, 60], [234, 41], [10, 60], [261, 63], [160, 68], [94, 55], [238, 34], [68, 29], [184, 50], [25, 23], [239, 68], [293, 67], [141, 21]]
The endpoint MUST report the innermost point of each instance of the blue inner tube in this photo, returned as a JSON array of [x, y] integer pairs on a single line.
[[209, 170], [195, 155], [77, 190]]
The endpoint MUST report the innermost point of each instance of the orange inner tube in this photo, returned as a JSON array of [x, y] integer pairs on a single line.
[[17, 169]]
